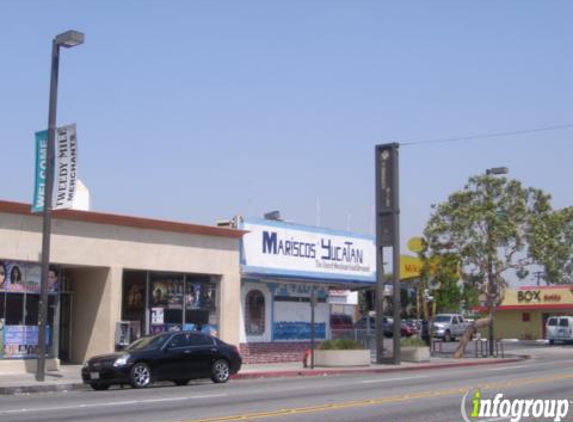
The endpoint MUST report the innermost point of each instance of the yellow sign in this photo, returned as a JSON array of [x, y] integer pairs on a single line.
[[543, 297], [415, 244], [410, 267]]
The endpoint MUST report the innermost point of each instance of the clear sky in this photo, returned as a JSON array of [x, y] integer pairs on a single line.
[[196, 111]]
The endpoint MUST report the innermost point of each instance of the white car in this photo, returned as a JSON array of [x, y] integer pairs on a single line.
[[559, 328], [449, 326]]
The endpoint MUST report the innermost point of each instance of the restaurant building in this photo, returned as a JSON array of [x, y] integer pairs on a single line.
[[525, 310], [113, 278], [286, 269]]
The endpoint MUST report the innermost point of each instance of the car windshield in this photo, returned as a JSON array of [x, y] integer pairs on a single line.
[[148, 343], [443, 318]]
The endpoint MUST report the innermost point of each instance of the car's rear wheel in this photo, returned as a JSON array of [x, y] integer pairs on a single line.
[[181, 382], [220, 371], [99, 387], [140, 375]]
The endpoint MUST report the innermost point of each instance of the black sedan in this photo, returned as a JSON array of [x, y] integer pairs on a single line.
[[177, 357]]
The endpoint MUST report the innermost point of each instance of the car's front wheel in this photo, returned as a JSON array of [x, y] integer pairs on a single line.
[[447, 336], [140, 375], [220, 371], [99, 387]]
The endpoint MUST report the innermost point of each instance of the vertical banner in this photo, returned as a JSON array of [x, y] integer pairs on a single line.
[[40, 179], [65, 170]]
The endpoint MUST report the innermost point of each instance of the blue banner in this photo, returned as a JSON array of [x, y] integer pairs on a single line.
[[40, 179]]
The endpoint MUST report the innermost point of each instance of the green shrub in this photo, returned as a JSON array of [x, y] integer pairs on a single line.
[[340, 344], [412, 342]]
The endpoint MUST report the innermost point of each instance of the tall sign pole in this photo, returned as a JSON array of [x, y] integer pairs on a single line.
[[387, 235]]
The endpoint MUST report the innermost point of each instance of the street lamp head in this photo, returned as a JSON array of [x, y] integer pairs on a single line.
[[69, 39], [497, 170]]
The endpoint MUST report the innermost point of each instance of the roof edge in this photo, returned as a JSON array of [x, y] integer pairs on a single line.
[[126, 221]]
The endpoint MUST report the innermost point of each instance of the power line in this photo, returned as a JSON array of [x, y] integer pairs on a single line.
[[489, 135]]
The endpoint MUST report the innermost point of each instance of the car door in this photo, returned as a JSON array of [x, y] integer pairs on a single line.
[[174, 363], [203, 352], [563, 329], [454, 326], [462, 325]]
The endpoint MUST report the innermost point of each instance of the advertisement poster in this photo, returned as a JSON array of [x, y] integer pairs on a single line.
[[200, 296], [157, 316], [21, 341], [25, 277], [167, 293]]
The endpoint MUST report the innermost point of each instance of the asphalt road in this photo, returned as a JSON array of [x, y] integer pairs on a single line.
[[425, 396]]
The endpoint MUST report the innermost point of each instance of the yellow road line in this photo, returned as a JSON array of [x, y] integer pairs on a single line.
[[391, 399]]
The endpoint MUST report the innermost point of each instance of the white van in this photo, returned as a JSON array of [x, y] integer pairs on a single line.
[[559, 328]]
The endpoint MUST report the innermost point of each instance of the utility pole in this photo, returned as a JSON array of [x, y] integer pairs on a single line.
[[387, 235]]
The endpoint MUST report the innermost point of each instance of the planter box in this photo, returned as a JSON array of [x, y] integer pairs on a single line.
[[416, 354], [342, 357]]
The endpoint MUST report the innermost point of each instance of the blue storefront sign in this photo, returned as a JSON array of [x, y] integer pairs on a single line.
[[276, 248]]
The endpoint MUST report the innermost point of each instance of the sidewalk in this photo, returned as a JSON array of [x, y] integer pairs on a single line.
[[69, 378]]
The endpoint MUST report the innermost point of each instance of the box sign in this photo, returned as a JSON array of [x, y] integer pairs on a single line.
[[287, 250], [542, 297]]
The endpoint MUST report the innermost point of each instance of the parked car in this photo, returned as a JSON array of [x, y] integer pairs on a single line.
[[559, 328], [369, 323], [177, 357], [341, 322], [449, 326]]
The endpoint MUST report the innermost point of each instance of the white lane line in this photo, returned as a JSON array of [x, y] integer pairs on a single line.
[[394, 379], [114, 403]]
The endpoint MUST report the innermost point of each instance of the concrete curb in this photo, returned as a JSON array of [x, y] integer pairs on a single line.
[[47, 388], [322, 372]]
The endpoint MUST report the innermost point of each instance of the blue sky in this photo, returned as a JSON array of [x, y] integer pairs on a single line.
[[197, 111]]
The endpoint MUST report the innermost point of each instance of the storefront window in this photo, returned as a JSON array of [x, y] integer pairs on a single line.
[[19, 301], [255, 313], [200, 304], [174, 301], [133, 307], [166, 302]]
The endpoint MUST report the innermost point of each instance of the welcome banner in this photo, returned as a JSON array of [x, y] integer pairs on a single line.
[[41, 160], [65, 168]]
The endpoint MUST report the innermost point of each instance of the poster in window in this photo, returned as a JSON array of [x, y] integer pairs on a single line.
[[135, 295], [207, 298], [21, 341], [25, 277], [167, 293], [15, 272], [192, 296], [157, 316]]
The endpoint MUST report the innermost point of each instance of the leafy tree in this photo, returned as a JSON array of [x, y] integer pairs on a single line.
[[552, 245], [496, 227]]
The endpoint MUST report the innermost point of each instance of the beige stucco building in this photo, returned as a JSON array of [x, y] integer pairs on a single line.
[[177, 275]]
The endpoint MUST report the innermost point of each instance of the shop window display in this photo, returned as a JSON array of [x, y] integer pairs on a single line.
[[174, 301], [19, 299]]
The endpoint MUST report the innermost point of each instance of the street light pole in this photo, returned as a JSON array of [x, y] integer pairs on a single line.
[[491, 251], [67, 39]]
